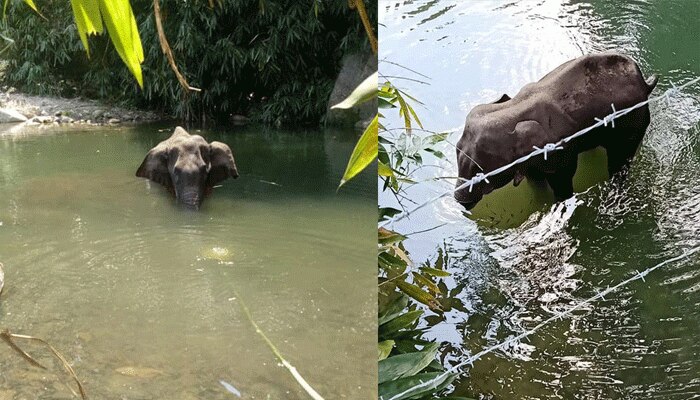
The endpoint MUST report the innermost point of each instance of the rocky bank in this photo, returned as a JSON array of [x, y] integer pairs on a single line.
[[34, 110]]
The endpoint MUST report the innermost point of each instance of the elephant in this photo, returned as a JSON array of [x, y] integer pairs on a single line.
[[564, 101], [188, 166]]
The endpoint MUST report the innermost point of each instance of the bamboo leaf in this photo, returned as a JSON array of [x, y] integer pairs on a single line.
[[87, 19], [405, 365], [435, 272], [365, 91], [119, 19], [389, 390], [419, 295], [364, 153], [385, 348]]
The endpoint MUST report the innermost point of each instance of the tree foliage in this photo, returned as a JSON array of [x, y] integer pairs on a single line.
[[273, 61]]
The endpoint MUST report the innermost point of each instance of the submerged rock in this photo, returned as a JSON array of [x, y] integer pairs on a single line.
[[139, 372]]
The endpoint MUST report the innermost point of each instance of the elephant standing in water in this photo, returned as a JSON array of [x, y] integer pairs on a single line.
[[563, 102], [188, 166]]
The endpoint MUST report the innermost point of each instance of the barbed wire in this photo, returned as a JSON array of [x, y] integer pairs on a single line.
[[524, 335], [546, 149]]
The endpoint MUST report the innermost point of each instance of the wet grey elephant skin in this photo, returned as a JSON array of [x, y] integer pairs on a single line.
[[563, 102], [188, 166]]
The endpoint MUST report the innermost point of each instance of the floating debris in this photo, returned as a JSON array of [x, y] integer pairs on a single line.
[[230, 388], [139, 372]]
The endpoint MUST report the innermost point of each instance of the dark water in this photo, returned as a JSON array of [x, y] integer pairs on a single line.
[[105, 267], [642, 341]]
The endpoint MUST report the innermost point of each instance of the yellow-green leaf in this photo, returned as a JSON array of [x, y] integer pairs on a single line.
[[384, 170], [385, 348], [419, 295], [365, 91], [119, 19], [364, 153], [87, 19]]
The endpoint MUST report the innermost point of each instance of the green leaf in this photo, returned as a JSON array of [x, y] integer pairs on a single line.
[[434, 272], [386, 236], [393, 309], [121, 27], [419, 295], [88, 20], [403, 321], [385, 349], [387, 212], [365, 91], [424, 281], [384, 170], [389, 261], [364, 153], [388, 390], [383, 103], [405, 365]]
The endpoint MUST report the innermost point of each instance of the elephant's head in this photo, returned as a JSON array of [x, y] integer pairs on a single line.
[[188, 166]]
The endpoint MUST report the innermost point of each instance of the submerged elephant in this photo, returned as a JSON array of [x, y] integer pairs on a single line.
[[561, 103], [188, 166]]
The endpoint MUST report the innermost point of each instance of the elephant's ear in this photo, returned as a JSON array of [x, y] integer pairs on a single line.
[[527, 134], [222, 164], [155, 166], [503, 99]]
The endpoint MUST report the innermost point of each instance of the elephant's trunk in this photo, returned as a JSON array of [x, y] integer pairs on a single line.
[[190, 199]]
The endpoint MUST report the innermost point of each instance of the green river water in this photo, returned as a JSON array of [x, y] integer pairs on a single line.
[[142, 297], [640, 342]]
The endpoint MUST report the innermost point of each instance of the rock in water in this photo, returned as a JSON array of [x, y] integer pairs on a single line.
[[8, 115], [355, 68], [2, 278]]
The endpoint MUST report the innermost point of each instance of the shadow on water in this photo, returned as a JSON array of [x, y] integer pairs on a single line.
[[141, 295], [522, 262]]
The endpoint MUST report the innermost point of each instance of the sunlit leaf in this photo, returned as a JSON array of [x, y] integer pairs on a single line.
[[119, 19], [419, 295], [364, 153], [365, 91], [88, 20], [424, 281], [386, 236], [384, 170], [385, 348]]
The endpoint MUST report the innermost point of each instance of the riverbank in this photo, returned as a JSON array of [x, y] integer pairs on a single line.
[[35, 110]]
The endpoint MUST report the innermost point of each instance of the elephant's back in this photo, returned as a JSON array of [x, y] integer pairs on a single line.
[[586, 87]]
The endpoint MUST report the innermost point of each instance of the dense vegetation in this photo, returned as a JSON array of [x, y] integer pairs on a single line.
[[272, 61]]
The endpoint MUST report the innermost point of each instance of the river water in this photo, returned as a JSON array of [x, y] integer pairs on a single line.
[[144, 298], [638, 343]]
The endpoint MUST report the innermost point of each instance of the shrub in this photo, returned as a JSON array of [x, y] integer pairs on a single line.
[[273, 61]]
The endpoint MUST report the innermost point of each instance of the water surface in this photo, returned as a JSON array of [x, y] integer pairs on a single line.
[[111, 272], [640, 342]]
